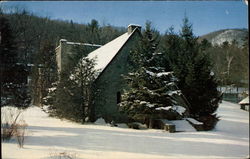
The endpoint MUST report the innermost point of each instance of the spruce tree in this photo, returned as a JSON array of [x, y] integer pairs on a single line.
[[193, 69], [152, 92], [170, 46]]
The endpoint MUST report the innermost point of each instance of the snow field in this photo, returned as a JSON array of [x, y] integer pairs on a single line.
[[47, 136]]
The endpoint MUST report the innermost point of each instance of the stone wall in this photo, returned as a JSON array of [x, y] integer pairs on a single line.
[[66, 49], [62, 51], [111, 84]]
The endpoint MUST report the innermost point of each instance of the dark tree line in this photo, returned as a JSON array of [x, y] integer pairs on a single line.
[[192, 87], [13, 86], [152, 92], [32, 44], [192, 65], [31, 30]]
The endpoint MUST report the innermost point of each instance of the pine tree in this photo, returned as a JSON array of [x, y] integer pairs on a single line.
[[193, 70], [170, 46], [13, 74], [152, 91]]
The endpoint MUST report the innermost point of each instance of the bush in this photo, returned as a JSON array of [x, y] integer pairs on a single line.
[[20, 132], [6, 132], [11, 127], [9, 119]]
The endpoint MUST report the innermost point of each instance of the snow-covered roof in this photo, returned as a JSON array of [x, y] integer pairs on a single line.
[[107, 52], [85, 44], [135, 25], [245, 100]]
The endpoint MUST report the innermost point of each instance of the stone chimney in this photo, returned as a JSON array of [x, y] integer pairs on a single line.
[[132, 27], [59, 54]]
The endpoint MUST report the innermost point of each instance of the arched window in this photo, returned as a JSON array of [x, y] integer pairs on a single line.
[[118, 97]]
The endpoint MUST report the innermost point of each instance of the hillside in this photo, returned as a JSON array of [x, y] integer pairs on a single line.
[[31, 31], [218, 37], [47, 137]]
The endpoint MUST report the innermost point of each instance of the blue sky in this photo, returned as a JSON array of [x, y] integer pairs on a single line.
[[206, 16]]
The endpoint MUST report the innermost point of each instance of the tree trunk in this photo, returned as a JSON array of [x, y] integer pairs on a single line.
[[151, 123], [229, 61], [82, 94]]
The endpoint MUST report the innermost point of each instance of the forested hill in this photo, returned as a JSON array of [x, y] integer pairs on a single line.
[[220, 36], [30, 32], [35, 35], [229, 54]]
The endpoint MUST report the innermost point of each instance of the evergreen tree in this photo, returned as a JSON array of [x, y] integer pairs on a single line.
[[13, 74], [68, 100], [44, 72], [49, 100], [84, 76], [74, 92], [152, 91], [170, 45], [94, 32], [193, 70]]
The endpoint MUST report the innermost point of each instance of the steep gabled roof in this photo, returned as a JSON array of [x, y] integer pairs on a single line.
[[107, 52]]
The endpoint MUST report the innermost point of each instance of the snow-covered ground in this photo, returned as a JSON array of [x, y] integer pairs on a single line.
[[47, 136]]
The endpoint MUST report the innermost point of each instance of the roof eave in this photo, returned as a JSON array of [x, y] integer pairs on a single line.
[[135, 30]]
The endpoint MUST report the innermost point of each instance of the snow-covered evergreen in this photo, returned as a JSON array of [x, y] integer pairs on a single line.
[[152, 91]]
